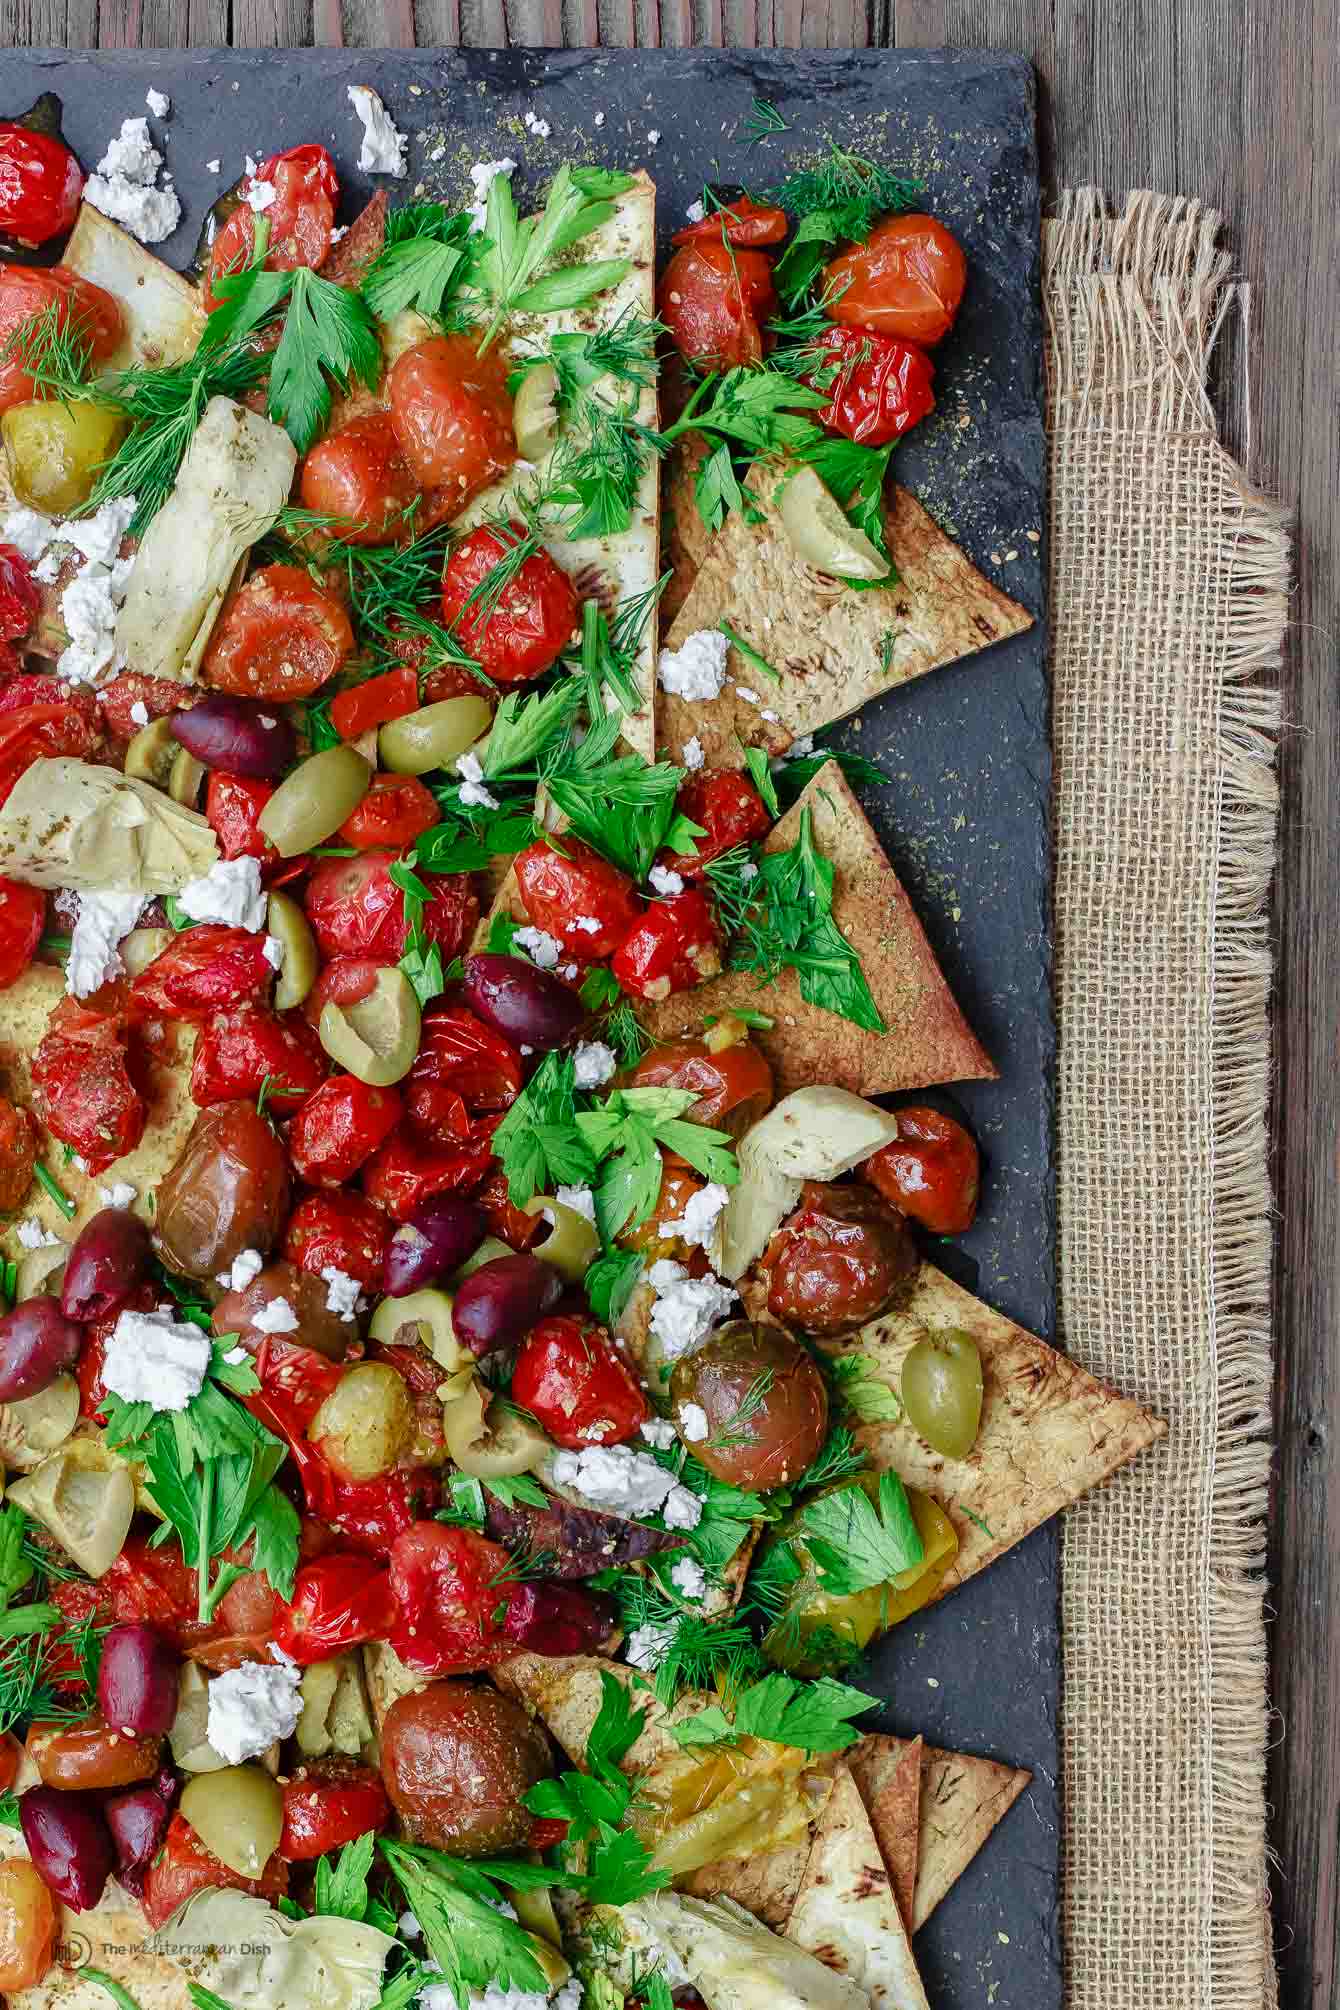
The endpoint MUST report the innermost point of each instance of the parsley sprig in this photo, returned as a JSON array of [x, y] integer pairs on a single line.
[[856, 1543], [458, 1908], [596, 1804], [814, 1716], [516, 250], [426, 257]]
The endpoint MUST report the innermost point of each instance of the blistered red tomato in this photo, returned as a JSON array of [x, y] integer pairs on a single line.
[[28, 292], [338, 1127], [83, 1089], [357, 910], [233, 804], [328, 1803], [575, 895], [744, 223], [184, 1866], [359, 474], [728, 809], [342, 981], [462, 1069], [343, 1230], [395, 810], [22, 918], [248, 1046], [40, 184], [931, 1171], [714, 301], [299, 220], [733, 1085], [19, 595], [370, 1514], [202, 970], [405, 1170], [132, 688], [511, 1224], [452, 416], [518, 632], [279, 638], [907, 279], [449, 1584], [673, 946], [40, 727], [572, 1381], [338, 1601], [878, 386], [370, 704]]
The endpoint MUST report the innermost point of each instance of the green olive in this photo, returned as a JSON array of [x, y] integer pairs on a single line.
[[572, 1241], [535, 412], [428, 1314], [184, 779], [150, 755], [41, 1270], [487, 1250], [288, 924], [310, 804], [942, 1391], [377, 1037], [54, 451], [488, 1438], [820, 533], [189, 1735], [44, 1421], [238, 1815], [142, 945], [433, 736], [366, 1423]]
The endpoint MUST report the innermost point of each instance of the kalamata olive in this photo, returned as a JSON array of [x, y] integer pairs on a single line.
[[559, 1619], [37, 1343], [751, 1405], [525, 1005], [456, 1761], [502, 1300], [69, 1842], [109, 1258], [237, 736], [843, 1258], [137, 1679], [438, 1237], [138, 1820], [942, 1391], [227, 1191]]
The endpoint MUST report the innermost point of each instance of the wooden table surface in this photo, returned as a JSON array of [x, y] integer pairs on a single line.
[[1237, 102]]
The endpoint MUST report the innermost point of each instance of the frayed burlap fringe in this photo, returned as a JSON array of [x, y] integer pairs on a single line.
[[1168, 584]]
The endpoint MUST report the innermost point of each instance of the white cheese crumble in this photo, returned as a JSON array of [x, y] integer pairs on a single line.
[[692, 756], [119, 1194], [243, 1269], [89, 603], [383, 147], [29, 532], [235, 1356], [686, 1308], [230, 892], [473, 792], [599, 119], [543, 950], [139, 713], [103, 922], [153, 1358], [693, 1423], [648, 1646], [695, 212], [33, 1235], [276, 1317], [124, 187], [659, 1431], [593, 1064], [750, 697], [159, 103], [699, 1219], [540, 127], [579, 1198], [260, 195], [653, 138], [482, 177], [251, 1706], [589, 924], [748, 870], [697, 669], [341, 1291], [630, 1483], [211, 167], [408, 1926], [663, 880], [89, 608], [273, 950], [689, 1579]]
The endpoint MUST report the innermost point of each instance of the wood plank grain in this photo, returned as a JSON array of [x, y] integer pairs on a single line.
[[272, 24], [437, 24]]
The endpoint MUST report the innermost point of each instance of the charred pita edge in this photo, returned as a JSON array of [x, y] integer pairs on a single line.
[[895, 1815], [846, 1913], [961, 1799]]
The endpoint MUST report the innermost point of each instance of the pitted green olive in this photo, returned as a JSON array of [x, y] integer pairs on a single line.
[[571, 1243], [189, 1735], [54, 451], [487, 1250], [942, 1391], [428, 1312], [487, 1438], [141, 946], [820, 533], [377, 1037], [238, 1815], [535, 412], [433, 736], [151, 753], [310, 804], [41, 1270], [286, 921], [366, 1423], [184, 779]]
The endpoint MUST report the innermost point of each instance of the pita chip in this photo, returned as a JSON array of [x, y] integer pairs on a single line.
[[960, 1801], [927, 1038], [893, 1802], [845, 1912]]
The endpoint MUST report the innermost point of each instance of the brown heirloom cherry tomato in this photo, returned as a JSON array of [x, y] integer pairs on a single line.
[[328, 1803], [452, 416], [931, 1171], [744, 223], [81, 308], [457, 1761], [360, 474], [878, 387], [338, 1127], [300, 219], [730, 810], [764, 1400], [236, 1050], [279, 638], [339, 1229], [567, 884], [570, 1378], [227, 1191], [841, 1259], [83, 1090], [672, 947], [91, 1754], [907, 279], [733, 1086], [202, 970], [713, 300], [522, 630], [40, 184]]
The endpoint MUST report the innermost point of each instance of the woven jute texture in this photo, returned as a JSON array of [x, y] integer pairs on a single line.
[[1168, 583]]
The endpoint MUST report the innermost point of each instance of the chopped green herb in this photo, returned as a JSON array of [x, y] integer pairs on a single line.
[[749, 653], [342, 1885], [814, 1716], [762, 122], [53, 1186], [856, 1543]]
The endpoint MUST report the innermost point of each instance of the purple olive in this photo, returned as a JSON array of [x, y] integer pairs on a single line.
[[69, 1842], [109, 1258], [559, 1618], [37, 1343], [137, 1680], [436, 1240], [502, 1300], [138, 1820], [237, 736], [525, 1005]]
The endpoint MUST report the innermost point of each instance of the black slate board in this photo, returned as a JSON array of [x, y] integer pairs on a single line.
[[966, 818]]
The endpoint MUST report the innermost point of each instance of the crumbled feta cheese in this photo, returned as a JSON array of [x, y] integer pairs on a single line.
[[98, 538], [647, 1646], [682, 1509], [689, 1579], [750, 697], [663, 880], [599, 119], [33, 1235], [383, 147], [695, 212], [123, 185], [593, 1064], [482, 177], [260, 195], [799, 748], [630, 1483], [571, 971], [230, 892], [29, 532], [570, 1996], [235, 1356], [409, 1926], [159, 103], [273, 950], [773, 718], [589, 924], [693, 1423], [88, 613], [249, 1707], [660, 1432], [748, 870], [543, 950], [579, 1198], [473, 792], [699, 1219], [102, 923], [341, 1291], [120, 1194], [686, 1308], [697, 669], [139, 713], [276, 1317], [153, 1358], [653, 138], [243, 1269], [692, 756], [211, 167], [540, 127]]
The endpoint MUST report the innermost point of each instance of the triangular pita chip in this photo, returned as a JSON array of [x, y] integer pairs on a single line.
[[894, 1806], [928, 1039], [686, 538], [845, 1912], [832, 649], [961, 1799]]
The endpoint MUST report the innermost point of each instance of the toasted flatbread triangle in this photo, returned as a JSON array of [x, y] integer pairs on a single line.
[[1049, 1430], [894, 1808], [845, 1912], [928, 1039], [960, 1801]]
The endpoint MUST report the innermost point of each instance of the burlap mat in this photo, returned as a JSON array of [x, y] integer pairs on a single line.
[[1168, 580]]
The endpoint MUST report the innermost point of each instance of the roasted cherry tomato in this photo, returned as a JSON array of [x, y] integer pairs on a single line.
[[239, 1050], [233, 804], [672, 947], [743, 223], [405, 1171], [243, 1625], [34, 725], [463, 1069], [578, 897], [907, 279], [517, 633], [133, 689], [395, 810], [328, 1803], [40, 184], [733, 1084], [714, 300], [19, 595], [449, 1584], [357, 910], [300, 219], [11, 1754], [337, 1602], [370, 1514], [202, 970], [878, 386], [339, 1126], [452, 416], [931, 1171], [340, 1230], [359, 473], [18, 1156], [184, 1866], [22, 917], [279, 638], [730, 811], [342, 981], [570, 1378], [364, 706], [91, 1753], [511, 1224], [841, 1259], [87, 311], [83, 1090]]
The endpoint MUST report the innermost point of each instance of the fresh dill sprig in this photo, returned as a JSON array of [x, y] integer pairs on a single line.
[[164, 407], [51, 349], [762, 122], [835, 201]]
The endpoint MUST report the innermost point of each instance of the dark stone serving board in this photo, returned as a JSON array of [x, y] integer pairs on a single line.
[[966, 817]]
